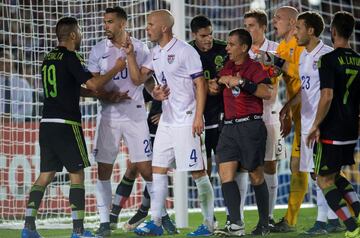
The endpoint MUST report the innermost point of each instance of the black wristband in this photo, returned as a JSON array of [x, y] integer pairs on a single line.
[[279, 62], [249, 86]]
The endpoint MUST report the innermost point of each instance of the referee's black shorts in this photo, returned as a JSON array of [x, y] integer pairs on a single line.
[[244, 142], [329, 159], [62, 145]]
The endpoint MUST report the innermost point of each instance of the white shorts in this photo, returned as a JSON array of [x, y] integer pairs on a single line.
[[275, 143], [306, 156], [135, 135], [177, 145]]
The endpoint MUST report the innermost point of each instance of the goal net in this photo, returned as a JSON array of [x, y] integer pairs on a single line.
[[28, 33]]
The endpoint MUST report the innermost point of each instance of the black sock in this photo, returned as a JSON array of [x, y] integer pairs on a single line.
[[338, 205], [77, 204], [232, 198], [348, 193], [262, 202], [122, 194], [145, 202], [35, 197]]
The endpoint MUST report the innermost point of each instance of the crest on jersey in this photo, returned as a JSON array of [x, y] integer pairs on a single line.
[[235, 91], [171, 59], [315, 65]]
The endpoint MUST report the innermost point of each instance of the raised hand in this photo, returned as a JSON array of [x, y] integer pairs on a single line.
[[127, 45], [160, 92]]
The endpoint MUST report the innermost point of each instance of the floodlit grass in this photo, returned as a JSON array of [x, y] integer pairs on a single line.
[[306, 220]]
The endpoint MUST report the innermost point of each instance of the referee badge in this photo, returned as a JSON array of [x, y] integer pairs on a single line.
[[171, 59], [236, 91]]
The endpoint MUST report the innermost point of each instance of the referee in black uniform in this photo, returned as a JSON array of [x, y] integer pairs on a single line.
[[60, 136], [336, 126]]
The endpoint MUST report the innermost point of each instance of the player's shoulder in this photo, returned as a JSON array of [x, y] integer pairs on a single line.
[[272, 45], [99, 48], [100, 45], [326, 49], [219, 42], [137, 42], [184, 47]]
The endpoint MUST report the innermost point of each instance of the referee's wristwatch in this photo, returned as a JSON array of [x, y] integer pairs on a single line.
[[241, 82]]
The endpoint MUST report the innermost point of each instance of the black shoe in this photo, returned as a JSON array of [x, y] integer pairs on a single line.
[[113, 221], [334, 226], [231, 230], [104, 230], [169, 225], [271, 223], [135, 221], [260, 230], [282, 227]]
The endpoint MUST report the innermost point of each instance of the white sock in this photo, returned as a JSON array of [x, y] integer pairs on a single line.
[[331, 215], [163, 212], [103, 199], [242, 180], [206, 198], [158, 196], [322, 205], [272, 184]]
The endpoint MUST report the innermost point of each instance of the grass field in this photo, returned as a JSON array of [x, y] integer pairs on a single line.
[[306, 219]]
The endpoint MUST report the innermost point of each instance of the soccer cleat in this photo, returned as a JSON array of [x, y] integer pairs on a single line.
[[169, 225], [231, 230], [135, 221], [353, 234], [113, 221], [113, 226], [202, 230], [319, 228], [282, 226], [271, 223], [85, 234], [150, 229], [27, 233], [334, 226], [260, 230], [104, 230]]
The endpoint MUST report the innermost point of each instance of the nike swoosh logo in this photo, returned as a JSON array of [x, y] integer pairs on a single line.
[[155, 59], [191, 165], [105, 56]]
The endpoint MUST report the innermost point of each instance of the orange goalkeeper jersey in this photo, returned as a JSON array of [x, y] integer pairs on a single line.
[[290, 52]]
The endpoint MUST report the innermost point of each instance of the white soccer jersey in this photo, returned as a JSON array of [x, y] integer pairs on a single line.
[[176, 65], [310, 84], [271, 108], [102, 58]]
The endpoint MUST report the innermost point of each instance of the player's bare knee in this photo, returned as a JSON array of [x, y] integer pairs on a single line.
[[325, 181], [45, 178], [270, 167], [77, 177], [131, 172], [104, 171], [198, 174], [256, 178]]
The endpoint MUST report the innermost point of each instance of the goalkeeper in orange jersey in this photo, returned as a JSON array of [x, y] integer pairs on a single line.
[[284, 24]]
